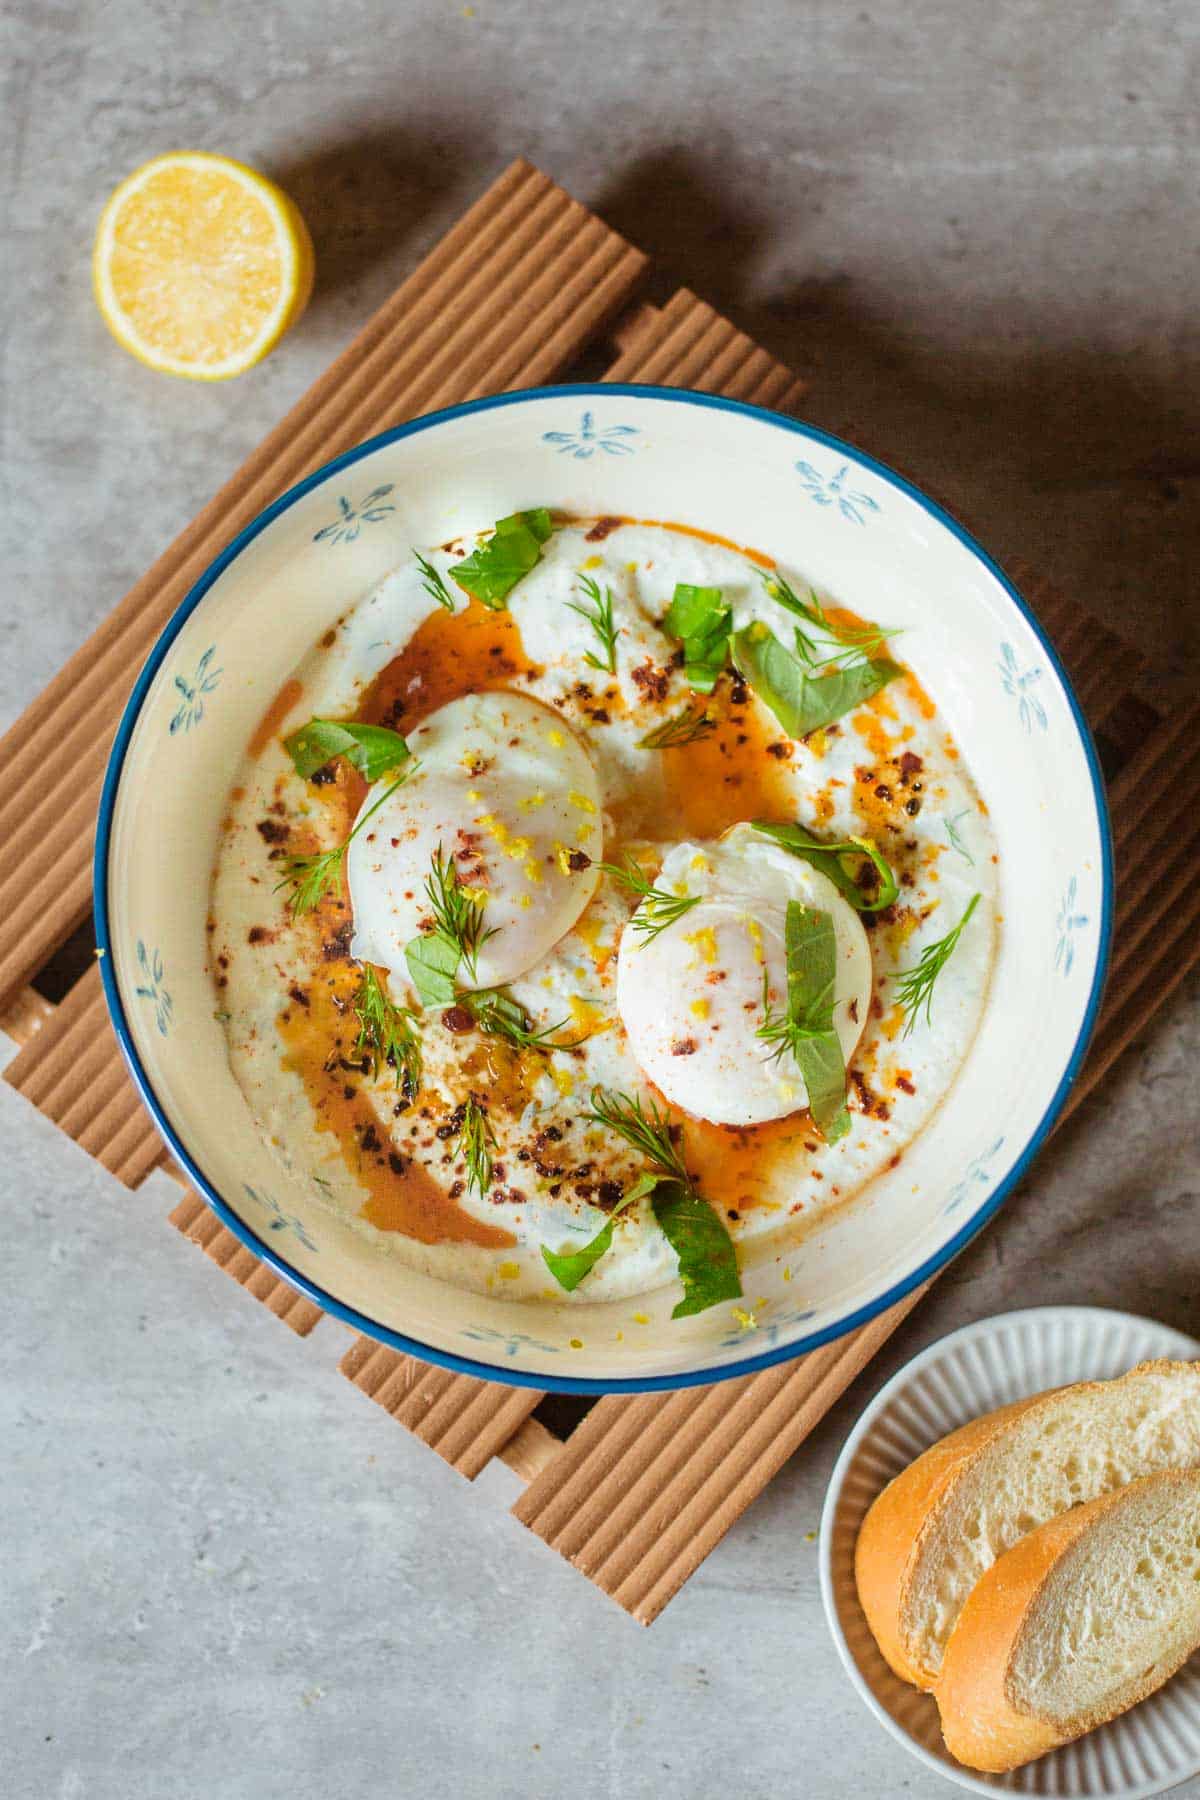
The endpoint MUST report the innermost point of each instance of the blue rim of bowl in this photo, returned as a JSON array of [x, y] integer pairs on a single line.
[[498, 1371]]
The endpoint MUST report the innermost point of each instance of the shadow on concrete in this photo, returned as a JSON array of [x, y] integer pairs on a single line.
[[1072, 456], [367, 197]]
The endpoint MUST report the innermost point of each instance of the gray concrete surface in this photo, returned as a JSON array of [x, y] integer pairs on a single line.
[[973, 226]]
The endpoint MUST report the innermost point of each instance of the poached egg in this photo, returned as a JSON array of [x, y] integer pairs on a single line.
[[506, 791], [691, 997]]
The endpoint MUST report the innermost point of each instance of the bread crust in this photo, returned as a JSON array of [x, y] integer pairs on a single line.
[[907, 1516], [893, 1534], [980, 1723]]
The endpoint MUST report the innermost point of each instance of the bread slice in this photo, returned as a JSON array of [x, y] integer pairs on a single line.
[[1078, 1622], [941, 1524]]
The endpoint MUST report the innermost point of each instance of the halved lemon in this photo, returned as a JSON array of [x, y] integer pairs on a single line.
[[200, 265]]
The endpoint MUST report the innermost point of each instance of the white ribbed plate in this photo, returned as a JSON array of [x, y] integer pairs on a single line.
[[983, 1366]]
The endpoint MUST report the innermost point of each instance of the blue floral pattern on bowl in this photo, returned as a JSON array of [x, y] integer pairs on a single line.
[[151, 988], [190, 710], [756, 1332], [609, 440], [831, 490], [280, 1221], [351, 519], [977, 1176], [511, 1342], [1067, 924], [1020, 684]]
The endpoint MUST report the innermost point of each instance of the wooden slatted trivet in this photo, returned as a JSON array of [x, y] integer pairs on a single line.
[[640, 1492]]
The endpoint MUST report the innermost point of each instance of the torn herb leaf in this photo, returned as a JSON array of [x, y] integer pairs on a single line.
[[701, 620], [371, 749], [569, 1267], [707, 1260], [842, 862], [801, 701], [432, 961], [514, 548], [805, 1029]]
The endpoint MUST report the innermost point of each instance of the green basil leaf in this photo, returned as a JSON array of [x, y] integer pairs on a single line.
[[800, 701], [569, 1267], [811, 950], [694, 611], [700, 619], [515, 547], [537, 520], [433, 961], [831, 860], [707, 1260], [372, 749]]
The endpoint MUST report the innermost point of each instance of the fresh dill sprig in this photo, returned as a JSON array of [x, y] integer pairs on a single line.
[[600, 618], [309, 877], [778, 1028], [433, 584], [685, 728], [855, 643], [914, 989], [658, 907], [457, 910], [386, 1034], [646, 1128], [476, 1141], [497, 1014]]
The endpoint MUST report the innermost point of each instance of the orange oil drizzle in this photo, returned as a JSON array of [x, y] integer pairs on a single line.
[[274, 716], [449, 654], [719, 780], [733, 1164], [405, 1199]]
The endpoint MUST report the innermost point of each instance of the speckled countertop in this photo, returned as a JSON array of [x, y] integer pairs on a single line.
[[225, 1572]]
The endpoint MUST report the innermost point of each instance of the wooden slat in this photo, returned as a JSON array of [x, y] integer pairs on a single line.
[[466, 1421], [646, 1486], [687, 344], [202, 1227], [25, 1015], [72, 1070], [514, 291]]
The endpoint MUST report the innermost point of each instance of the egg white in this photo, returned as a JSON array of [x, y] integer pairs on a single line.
[[505, 791]]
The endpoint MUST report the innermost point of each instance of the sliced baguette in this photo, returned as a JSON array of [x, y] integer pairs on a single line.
[[942, 1523], [1075, 1624]]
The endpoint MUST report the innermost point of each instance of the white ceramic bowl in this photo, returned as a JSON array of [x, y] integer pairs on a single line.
[[986, 1365], [844, 522]]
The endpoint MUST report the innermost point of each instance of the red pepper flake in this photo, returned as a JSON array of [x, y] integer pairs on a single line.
[[601, 529], [653, 682], [683, 1046]]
